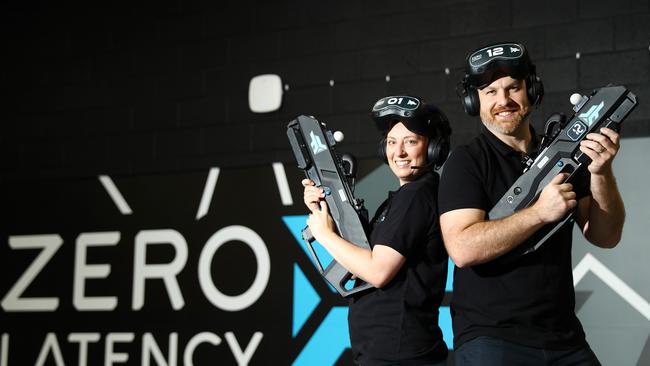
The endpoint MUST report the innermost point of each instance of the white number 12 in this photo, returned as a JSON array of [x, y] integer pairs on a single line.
[[496, 51]]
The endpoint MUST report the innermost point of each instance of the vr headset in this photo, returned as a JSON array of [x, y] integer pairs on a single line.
[[489, 63]]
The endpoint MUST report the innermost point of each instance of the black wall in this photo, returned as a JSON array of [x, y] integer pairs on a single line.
[[161, 86]]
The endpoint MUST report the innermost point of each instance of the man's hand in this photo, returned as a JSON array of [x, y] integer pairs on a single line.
[[601, 216], [601, 148], [555, 200]]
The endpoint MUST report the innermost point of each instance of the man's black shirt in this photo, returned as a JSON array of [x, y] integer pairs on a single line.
[[529, 301]]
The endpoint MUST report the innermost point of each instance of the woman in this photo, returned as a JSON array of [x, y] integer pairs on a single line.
[[396, 323]]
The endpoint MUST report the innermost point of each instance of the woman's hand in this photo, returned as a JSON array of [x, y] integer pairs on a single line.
[[320, 222], [312, 194]]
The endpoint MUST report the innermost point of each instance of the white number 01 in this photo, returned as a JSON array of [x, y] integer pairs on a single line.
[[394, 100]]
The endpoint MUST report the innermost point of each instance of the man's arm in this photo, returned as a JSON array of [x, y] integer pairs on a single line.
[[602, 215], [470, 239]]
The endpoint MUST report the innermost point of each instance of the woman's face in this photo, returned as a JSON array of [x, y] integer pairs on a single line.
[[405, 149]]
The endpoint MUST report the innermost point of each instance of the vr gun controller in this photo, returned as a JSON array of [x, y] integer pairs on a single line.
[[606, 107], [313, 148]]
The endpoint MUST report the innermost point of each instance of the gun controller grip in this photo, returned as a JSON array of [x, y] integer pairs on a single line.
[[309, 239], [336, 274]]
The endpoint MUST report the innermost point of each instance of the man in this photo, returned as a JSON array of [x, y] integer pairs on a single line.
[[396, 322], [519, 311]]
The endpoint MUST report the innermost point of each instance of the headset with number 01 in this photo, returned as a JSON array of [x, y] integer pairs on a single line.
[[560, 153], [313, 148]]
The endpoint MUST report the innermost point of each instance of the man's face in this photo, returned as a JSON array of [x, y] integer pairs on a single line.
[[504, 105], [405, 149]]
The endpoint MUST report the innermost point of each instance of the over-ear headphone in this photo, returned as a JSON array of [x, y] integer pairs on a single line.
[[488, 63], [419, 117]]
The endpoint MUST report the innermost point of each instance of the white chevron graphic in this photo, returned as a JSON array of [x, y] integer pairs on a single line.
[[208, 191], [115, 194], [283, 184], [590, 263]]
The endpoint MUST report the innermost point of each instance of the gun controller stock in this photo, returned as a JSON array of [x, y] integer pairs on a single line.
[[606, 107], [313, 148]]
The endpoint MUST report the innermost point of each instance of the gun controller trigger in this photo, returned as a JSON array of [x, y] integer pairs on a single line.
[[612, 125]]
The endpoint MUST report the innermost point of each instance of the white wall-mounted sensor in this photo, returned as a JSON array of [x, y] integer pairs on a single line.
[[265, 93]]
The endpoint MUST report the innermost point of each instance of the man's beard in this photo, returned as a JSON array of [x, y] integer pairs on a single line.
[[505, 128]]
